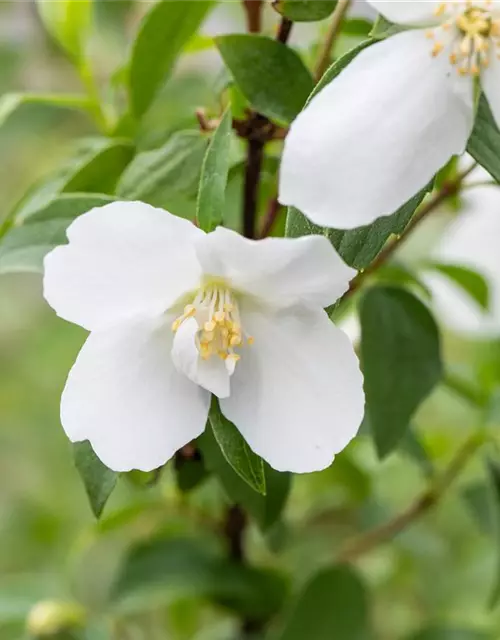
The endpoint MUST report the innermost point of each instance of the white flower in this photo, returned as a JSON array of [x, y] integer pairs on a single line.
[[175, 314], [394, 116], [471, 241]]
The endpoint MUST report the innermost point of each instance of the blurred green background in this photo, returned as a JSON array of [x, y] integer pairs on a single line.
[[440, 573]]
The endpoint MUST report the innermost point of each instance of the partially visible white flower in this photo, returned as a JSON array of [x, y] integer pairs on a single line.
[[176, 314], [395, 115], [470, 241]]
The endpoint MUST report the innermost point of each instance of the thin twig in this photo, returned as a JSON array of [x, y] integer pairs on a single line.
[[270, 218], [255, 156], [333, 31], [385, 532], [284, 30], [447, 190]]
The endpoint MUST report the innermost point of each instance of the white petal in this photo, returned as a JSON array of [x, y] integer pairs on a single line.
[[377, 134], [212, 374], [490, 80], [471, 241], [123, 260], [297, 393], [125, 396], [408, 12], [281, 271]]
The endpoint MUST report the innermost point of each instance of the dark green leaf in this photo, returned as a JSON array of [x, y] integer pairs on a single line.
[[449, 633], [484, 143], [99, 481], [24, 247], [358, 247], [305, 10], [190, 472], [163, 33], [472, 282], [159, 569], [214, 173], [272, 76], [400, 352], [479, 500], [383, 28], [333, 71], [265, 509], [411, 445], [173, 168], [242, 459], [334, 604]]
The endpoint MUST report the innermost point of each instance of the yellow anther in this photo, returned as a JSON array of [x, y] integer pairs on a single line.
[[189, 310], [250, 340], [474, 70], [437, 48], [209, 326], [235, 340], [440, 9], [429, 34], [453, 58], [223, 355], [176, 324], [219, 317]]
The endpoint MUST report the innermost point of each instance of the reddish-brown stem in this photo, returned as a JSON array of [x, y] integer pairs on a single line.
[[253, 9], [270, 218]]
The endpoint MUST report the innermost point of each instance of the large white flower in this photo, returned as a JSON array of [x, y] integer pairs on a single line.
[[176, 314], [378, 133]]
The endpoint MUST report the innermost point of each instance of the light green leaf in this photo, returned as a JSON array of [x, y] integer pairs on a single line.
[[271, 76], [99, 481], [238, 454], [493, 469], [305, 10], [266, 509], [472, 282], [10, 102], [24, 247], [384, 28], [400, 352], [164, 31], [68, 22], [449, 633], [174, 167], [484, 143], [334, 604], [480, 503], [159, 570], [214, 173]]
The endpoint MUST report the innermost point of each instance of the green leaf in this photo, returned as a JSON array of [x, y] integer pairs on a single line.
[[271, 76], [190, 472], [357, 247], [472, 282], [400, 352], [10, 102], [484, 143], [266, 509], [214, 173], [174, 167], [163, 569], [68, 22], [305, 10], [333, 70], [493, 469], [24, 247], [414, 449], [334, 604], [449, 633], [99, 481], [238, 454], [384, 28], [479, 501], [164, 31]]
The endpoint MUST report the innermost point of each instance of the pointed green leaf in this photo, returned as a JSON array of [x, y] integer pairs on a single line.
[[68, 22], [305, 10], [493, 468], [99, 481], [174, 167], [214, 173], [471, 282], [484, 143], [163, 33], [10, 102], [449, 633], [242, 459], [400, 352], [271, 76], [334, 604]]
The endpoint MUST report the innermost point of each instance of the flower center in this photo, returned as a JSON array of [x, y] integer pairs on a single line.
[[474, 33], [215, 309]]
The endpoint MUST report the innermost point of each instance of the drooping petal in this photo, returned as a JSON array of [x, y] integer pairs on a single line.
[[123, 260], [212, 374], [377, 134], [490, 80], [125, 396], [409, 12], [281, 271], [297, 392]]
